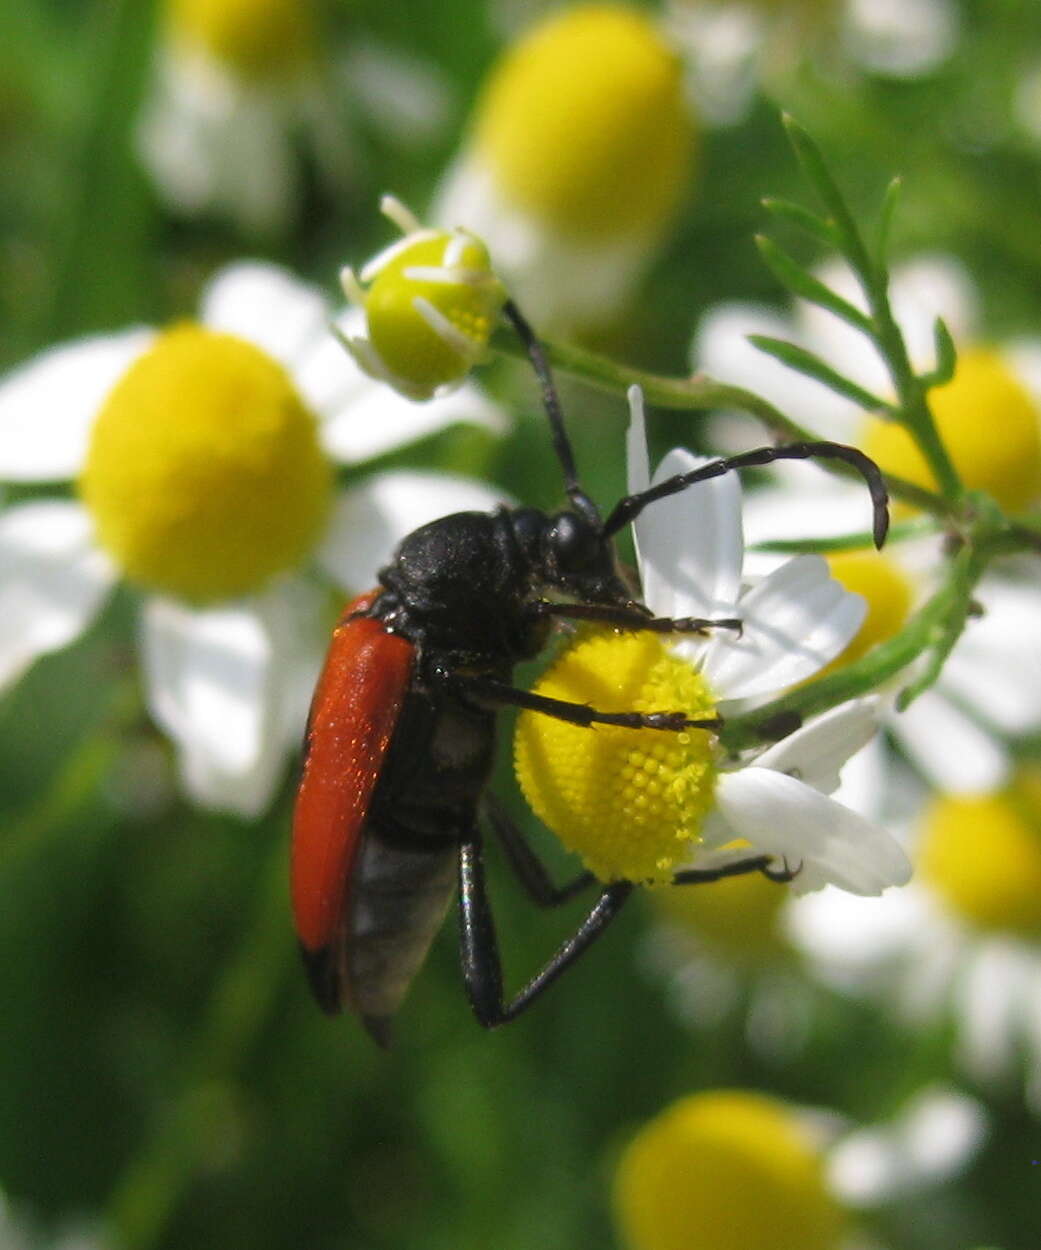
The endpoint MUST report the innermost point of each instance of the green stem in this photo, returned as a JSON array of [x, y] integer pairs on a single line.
[[860, 541], [157, 1177], [936, 624], [698, 393]]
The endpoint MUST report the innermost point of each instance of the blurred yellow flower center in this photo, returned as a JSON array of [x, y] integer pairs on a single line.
[[989, 424], [438, 339], [736, 916], [888, 593], [982, 855], [204, 474], [584, 126], [726, 1170], [630, 802], [256, 39]]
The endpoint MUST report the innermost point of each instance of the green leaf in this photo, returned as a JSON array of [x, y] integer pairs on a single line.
[[847, 236], [946, 356], [797, 279], [803, 218], [885, 224], [806, 362]]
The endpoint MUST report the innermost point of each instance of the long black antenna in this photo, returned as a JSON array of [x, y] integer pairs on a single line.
[[631, 506], [551, 403]]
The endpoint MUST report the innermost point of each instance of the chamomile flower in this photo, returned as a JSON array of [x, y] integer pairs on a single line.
[[202, 456], [962, 944], [578, 158], [957, 733], [430, 306], [735, 49], [738, 1170], [242, 89], [637, 805], [989, 416]]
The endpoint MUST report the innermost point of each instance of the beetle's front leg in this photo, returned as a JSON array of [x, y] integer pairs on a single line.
[[634, 618], [488, 692], [479, 946]]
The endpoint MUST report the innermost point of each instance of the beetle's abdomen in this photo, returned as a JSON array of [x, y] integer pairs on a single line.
[[400, 892]]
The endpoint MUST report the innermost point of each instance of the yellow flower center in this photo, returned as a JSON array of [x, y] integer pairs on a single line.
[[429, 348], [725, 1170], [982, 855], [257, 39], [736, 916], [888, 592], [204, 474], [989, 424], [630, 802], [583, 124]]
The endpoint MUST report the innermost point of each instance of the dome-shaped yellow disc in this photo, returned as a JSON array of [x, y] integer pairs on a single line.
[[204, 474], [630, 802]]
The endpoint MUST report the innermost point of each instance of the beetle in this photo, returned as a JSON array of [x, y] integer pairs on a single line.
[[401, 734]]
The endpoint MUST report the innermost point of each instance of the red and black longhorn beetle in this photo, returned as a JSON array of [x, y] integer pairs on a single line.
[[401, 735]]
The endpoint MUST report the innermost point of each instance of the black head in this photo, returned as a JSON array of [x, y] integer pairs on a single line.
[[569, 552]]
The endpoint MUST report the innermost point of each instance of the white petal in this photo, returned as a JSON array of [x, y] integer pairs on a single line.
[[721, 43], [638, 464], [410, 100], [817, 752], [267, 306], [53, 581], [902, 38], [229, 685], [795, 621], [48, 404], [787, 818], [369, 520], [367, 418], [956, 754], [691, 544]]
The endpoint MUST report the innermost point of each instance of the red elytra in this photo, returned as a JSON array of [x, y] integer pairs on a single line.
[[353, 713]]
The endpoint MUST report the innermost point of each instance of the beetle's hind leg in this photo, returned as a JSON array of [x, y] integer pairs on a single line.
[[479, 946], [529, 870]]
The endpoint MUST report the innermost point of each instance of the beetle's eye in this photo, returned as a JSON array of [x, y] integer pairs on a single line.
[[574, 542]]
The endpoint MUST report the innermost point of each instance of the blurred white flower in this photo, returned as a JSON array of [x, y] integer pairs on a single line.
[[735, 49], [961, 944], [203, 457], [578, 158], [690, 1176], [242, 88]]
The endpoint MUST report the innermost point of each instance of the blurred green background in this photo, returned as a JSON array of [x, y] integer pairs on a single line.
[[164, 1078]]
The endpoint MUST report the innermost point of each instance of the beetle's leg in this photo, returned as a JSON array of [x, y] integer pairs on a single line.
[[496, 693], [739, 868], [631, 506], [633, 618], [528, 868], [479, 947]]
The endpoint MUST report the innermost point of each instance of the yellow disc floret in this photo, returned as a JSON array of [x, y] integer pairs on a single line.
[[725, 1170], [736, 916], [256, 39], [888, 593], [204, 474], [630, 802], [432, 308], [982, 855], [989, 424], [584, 126]]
